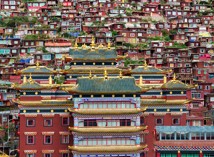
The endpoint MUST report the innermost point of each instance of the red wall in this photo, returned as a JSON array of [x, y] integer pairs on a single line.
[[150, 121], [39, 128]]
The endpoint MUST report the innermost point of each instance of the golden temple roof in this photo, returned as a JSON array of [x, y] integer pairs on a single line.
[[107, 111], [175, 84], [36, 70], [145, 69], [125, 129], [108, 149]]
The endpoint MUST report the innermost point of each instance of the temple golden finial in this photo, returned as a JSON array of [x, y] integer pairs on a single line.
[[141, 80], [100, 45], [76, 45], [109, 44], [121, 74], [93, 42], [84, 46], [37, 64], [164, 79], [90, 75], [24, 79], [50, 80], [145, 63], [174, 77], [105, 74], [30, 80]]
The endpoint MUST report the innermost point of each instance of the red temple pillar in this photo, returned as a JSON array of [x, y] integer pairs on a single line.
[[201, 153], [179, 154], [157, 154]]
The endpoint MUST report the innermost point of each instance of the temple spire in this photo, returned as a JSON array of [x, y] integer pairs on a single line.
[[145, 64], [90, 75], [109, 44], [24, 79], [164, 79], [93, 43], [141, 80], [37, 64], [105, 74], [50, 80], [121, 74], [174, 77], [76, 45], [30, 79]]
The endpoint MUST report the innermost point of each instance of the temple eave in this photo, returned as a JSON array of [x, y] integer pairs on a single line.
[[107, 149], [128, 129], [107, 111]]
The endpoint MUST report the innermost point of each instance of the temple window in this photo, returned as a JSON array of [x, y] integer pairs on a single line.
[[30, 139], [90, 122], [159, 121], [108, 141], [47, 139], [125, 122], [48, 122], [175, 121], [65, 139], [65, 155], [47, 155], [65, 120], [30, 122], [30, 155]]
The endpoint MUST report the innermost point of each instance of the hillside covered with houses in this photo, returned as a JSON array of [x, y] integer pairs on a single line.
[[86, 78]]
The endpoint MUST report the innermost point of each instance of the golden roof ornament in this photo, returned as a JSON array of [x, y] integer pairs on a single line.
[[164, 79], [93, 43], [37, 64], [90, 75], [109, 44], [84, 46], [100, 45], [141, 80], [24, 79], [50, 80], [76, 45], [145, 64], [121, 74], [174, 77], [105, 74], [30, 80]]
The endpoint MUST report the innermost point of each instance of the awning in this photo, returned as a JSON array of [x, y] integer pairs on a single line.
[[184, 129]]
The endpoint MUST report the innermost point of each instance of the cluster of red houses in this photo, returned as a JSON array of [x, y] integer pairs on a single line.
[[52, 51]]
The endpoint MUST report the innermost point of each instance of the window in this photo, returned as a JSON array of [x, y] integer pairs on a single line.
[[65, 139], [125, 122], [30, 139], [48, 122], [47, 155], [65, 155], [30, 155], [189, 155], [47, 139], [159, 121], [175, 121], [65, 121], [168, 155], [90, 122], [30, 122], [207, 87]]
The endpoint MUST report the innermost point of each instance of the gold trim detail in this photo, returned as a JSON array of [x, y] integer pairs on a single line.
[[108, 149], [127, 129]]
